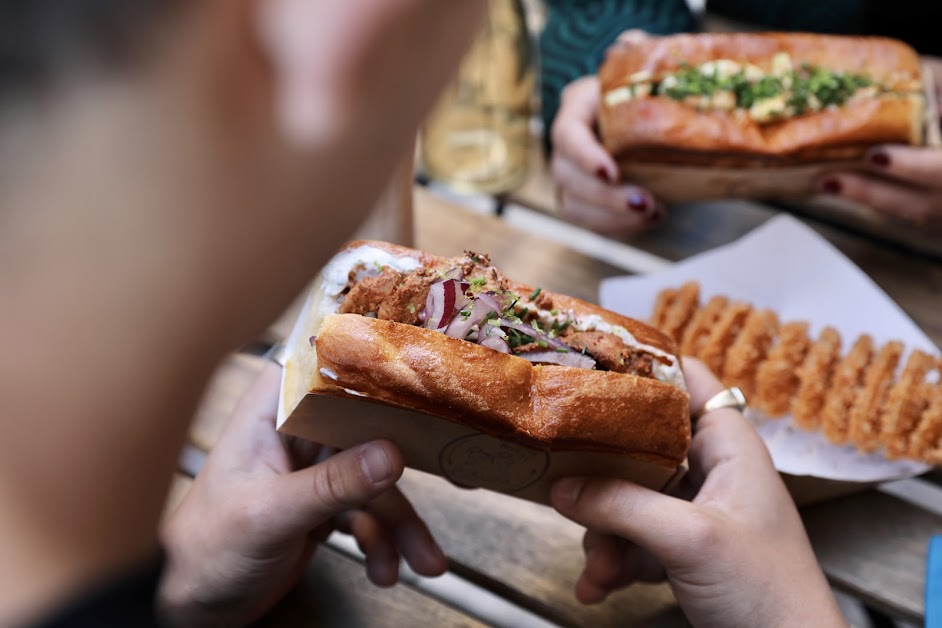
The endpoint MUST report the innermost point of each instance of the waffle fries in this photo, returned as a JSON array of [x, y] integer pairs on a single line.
[[853, 398]]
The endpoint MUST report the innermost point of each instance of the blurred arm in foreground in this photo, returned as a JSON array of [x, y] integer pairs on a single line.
[[173, 173]]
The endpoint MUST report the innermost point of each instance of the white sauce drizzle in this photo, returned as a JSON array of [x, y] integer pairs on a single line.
[[336, 275]]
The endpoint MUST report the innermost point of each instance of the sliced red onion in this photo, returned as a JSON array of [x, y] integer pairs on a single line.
[[536, 334], [445, 299], [481, 308], [496, 343], [570, 358]]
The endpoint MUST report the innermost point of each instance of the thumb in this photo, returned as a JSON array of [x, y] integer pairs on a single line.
[[649, 519], [346, 481]]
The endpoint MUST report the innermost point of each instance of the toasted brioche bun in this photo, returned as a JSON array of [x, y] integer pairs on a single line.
[[551, 407], [659, 129]]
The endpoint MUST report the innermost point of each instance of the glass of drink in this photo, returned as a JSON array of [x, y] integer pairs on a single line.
[[477, 138]]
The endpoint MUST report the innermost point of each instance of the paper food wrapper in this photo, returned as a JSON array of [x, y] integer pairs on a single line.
[[466, 457], [787, 267], [684, 184]]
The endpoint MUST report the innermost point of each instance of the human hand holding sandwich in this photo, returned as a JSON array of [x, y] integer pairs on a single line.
[[249, 525], [735, 554], [898, 180]]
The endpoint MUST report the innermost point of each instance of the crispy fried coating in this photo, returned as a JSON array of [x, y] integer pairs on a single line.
[[665, 299], [906, 402], [681, 310], [700, 326], [777, 377], [864, 428], [749, 350], [722, 336], [859, 398], [814, 375], [926, 441], [845, 386]]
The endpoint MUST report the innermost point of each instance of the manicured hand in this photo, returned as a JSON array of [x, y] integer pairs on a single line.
[[901, 181], [735, 555], [589, 191], [247, 528]]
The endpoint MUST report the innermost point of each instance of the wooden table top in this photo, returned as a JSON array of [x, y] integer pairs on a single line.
[[871, 544]]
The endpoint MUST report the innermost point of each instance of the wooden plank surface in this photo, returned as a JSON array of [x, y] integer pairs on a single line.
[[873, 546], [334, 591], [530, 553]]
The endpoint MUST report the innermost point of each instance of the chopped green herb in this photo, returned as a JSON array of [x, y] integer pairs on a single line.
[[478, 281], [465, 313], [542, 343], [379, 266], [554, 312], [535, 293], [807, 87], [562, 349]]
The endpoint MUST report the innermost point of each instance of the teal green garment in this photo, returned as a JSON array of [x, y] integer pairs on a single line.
[[576, 35]]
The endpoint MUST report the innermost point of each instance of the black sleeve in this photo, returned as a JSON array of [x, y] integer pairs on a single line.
[[912, 21], [127, 600]]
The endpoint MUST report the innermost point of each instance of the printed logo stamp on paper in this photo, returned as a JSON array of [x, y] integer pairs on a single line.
[[479, 460]]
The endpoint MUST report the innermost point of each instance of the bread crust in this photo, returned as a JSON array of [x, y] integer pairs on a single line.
[[660, 129], [554, 407], [551, 407]]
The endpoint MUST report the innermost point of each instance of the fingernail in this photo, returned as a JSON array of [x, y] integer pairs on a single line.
[[566, 491], [879, 158], [639, 202], [376, 464], [831, 186], [602, 175]]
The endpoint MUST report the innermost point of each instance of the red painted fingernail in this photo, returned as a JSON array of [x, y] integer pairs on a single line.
[[831, 186], [638, 202], [602, 175], [880, 159]]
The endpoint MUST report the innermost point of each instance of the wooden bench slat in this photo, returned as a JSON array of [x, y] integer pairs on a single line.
[[484, 533], [874, 546]]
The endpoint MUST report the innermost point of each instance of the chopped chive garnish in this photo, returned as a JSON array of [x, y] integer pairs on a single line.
[[562, 349], [542, 343], [535, 293]]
